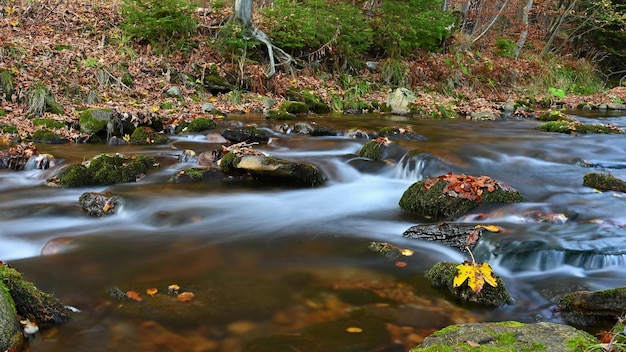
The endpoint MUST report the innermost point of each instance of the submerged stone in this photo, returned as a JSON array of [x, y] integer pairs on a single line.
[[604, 182]]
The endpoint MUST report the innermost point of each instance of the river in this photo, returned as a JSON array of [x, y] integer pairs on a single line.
[[269, 265]]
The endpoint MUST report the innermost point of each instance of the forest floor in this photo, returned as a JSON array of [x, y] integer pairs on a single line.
[[78, 51]]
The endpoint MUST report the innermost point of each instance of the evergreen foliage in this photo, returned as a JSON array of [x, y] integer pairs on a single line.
[[162, 23]]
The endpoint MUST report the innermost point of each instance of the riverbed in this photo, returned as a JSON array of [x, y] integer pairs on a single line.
[[284, 267]]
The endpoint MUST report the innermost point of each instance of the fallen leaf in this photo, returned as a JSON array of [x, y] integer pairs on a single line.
[[173, 289], [407, 252], [472, 237], [490, 228], [401, 264], [476, 276], [354, 330], [185, 296], [472, 343], [152, 291], [134, 296]]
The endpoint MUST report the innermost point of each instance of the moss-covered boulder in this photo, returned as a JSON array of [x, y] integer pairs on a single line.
[[216, 84], [604, 182], [248, 134], [507, 336], [577, 127], [449, 196], [146, 135], [95, 120], [313, 101], [381, 149], [10, 333], [267, 167], [399, 133], [280, 115], [553, 115], [104, 170], [48, 137], [201, 124], [294, 107], [593, 308], [31, 303], [442, 274]]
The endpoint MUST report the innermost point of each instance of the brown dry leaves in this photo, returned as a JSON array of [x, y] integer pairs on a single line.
[[464, 186]]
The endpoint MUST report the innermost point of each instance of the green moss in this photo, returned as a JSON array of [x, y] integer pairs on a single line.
[[314, 102], [604, 182], [105, 170], [94, 120], [371, 150], [146, 135], [229, 162], [30, 302], [52, 106], [8, 129], [3, 113], [563, 126], [201, 124], [294, 107], [46, 136], [49, 123], [280, 115]]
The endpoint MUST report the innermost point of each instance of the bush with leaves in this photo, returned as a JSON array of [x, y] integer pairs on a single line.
[[162, 23], [401, 26], [318, 29]]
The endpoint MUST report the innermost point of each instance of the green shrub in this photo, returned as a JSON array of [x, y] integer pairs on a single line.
[[394, 72], [401, 26], [162, 23], [311, 27], [505, 48], [6, 83]]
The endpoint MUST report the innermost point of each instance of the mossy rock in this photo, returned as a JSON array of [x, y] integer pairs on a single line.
[[372, 150], [604, 182], [216, 84], [49, 123], [280, 115], [271, 168], [104, 170], [593, 308], [31, 303], [94, 120], [201, 124], [442, 274], [199, 174], [336, 335], [294, 107], [146, 135], [248, 134], [10, 333], [575, 127], [397, 133], [507, 336], [48, 137], [436, 204]]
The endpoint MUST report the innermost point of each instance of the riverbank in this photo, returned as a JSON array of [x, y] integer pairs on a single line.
[[56, 61]]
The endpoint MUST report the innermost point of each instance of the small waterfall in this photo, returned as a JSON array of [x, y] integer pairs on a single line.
[[547, 260], [417, 166]]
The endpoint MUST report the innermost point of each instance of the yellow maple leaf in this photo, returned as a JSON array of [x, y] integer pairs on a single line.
[[490, 228], [475, 274]]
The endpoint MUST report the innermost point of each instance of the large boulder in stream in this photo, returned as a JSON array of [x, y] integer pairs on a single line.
[[104, 170], [593, 308], [29, 302], [507, 336], [604, 182], [264, 166], [248, 134], [98, 204], [449, 196]]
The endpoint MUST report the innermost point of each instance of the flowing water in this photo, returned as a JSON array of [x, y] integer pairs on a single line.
[[267, 262]]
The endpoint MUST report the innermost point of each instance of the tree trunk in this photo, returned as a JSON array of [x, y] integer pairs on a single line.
[[557, 27], [243, 15], [522, 37]]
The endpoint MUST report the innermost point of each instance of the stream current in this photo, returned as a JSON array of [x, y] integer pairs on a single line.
[[242, 247]]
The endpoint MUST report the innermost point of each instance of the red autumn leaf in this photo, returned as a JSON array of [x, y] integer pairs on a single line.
[[472, 237], [185, 296], [134, 296]]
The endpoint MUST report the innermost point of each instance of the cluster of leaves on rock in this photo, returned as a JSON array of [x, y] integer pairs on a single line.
[[465, 186]]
